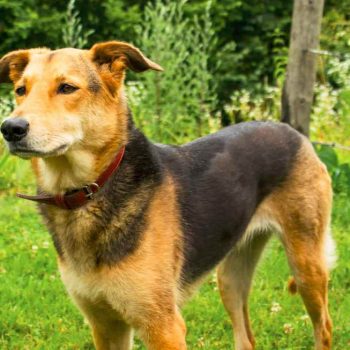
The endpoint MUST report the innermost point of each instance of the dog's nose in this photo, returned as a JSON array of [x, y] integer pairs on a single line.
[[14, 129]]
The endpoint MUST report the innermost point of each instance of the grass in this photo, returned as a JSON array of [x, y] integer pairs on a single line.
[[36, 312]]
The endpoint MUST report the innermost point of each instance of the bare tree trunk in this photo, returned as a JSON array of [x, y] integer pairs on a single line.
[[301, 70]]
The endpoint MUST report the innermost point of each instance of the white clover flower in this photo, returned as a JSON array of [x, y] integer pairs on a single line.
[[304, 318], [287, 328], [201, 342], [46, 244], [34, 248], [276, 307]]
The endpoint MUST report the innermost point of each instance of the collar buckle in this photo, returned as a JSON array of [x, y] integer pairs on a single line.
[[90, 190]]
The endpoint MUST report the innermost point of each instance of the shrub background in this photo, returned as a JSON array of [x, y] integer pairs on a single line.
[[246, 31]]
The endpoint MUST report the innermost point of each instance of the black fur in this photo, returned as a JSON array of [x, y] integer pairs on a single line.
[[138, 171], [94, 83]]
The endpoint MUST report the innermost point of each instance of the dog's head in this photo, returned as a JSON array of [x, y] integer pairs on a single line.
[[68, 98]]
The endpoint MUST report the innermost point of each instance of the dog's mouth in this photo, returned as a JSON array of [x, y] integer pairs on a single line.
[[26, 152]]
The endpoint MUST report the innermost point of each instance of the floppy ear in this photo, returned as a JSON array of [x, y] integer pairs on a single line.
[[12, 65], [124, 54]]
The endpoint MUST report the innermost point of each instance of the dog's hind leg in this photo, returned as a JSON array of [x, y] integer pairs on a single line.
[[303, 205], [306, 255], [235, 275]]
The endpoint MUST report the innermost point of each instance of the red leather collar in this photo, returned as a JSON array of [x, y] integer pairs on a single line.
[[79, 197]]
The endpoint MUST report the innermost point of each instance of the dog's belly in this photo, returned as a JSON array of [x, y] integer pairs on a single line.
[[214, 225], [221, 180]]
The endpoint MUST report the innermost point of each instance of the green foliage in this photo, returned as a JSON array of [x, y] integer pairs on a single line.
[[7, 104], [175, 105], [339, 170], [335, 37], [247, 57], [246, 37], [248, 106], [29, 23], [330, 118], [73, 34], [280, 55]]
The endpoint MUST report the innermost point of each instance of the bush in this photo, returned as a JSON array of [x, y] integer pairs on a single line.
[[339, 170], [175, 105], [248, 106], [73, 33]]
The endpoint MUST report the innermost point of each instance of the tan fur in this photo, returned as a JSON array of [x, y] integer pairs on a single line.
[[304, 209]]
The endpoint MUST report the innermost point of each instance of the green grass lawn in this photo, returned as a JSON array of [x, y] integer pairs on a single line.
[[36, 312]]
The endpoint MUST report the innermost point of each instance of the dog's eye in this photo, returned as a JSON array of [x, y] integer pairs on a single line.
[[20, 91], [66, 89]]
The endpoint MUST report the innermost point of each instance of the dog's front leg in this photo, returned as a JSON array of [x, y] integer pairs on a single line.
[[109, 331], [165, 333], [116, 336]]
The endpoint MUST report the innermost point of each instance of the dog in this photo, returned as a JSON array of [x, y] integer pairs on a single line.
[[137, 226]]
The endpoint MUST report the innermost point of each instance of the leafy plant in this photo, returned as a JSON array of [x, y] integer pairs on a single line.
[[339, 171], [6, 104], [175, 105], [248, 106], [280, 55], [73, 33]]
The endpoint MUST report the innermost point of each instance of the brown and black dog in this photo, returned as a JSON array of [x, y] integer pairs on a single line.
[[138, 225]]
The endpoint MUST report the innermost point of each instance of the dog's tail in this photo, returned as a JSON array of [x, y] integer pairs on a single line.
[[331, 259]]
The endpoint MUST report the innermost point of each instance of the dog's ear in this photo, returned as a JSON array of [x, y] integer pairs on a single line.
[[120, 55], [12, 65]]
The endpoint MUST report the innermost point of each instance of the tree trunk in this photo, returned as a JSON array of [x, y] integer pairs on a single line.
[[301, 70]]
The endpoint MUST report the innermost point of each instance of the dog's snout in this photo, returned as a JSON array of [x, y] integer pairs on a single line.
[[14, 129]]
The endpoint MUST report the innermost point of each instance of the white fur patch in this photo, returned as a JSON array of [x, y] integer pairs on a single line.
[[330, 250], [261, 222]]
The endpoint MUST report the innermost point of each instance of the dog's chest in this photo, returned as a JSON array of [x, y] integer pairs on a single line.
[[96, 235], [85, 284], [96, 288], [115, 288]]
